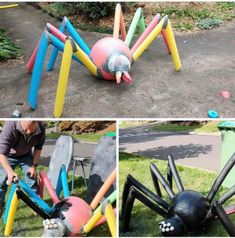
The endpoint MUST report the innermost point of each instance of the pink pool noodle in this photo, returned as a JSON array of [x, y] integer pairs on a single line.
[[122, 27], [31, 61], [147, 31], [54, 31], [45, 181], [166, 42]]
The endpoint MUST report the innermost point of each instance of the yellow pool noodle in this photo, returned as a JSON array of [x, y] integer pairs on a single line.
[[173, 47], [11, 215], [63, 78], [111, 219], [149, 39], [9, 6]]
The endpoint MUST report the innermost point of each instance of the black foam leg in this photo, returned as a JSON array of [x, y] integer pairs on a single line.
[[175, 174], [21, 195], [219, 180], [224, 218], [134, 193], [169, 176], [131, 181], [162, 180], [156, 184], [227, 195]]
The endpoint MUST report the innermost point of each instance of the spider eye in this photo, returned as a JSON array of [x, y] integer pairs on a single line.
[[171, 227]]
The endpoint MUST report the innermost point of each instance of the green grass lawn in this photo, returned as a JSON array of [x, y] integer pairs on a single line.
[[210, 127], [26, 224], [144, 221], [86, 137]]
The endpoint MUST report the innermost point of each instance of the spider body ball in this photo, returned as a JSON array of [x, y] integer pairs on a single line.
[[188, 209], [75, 213], [113, 59]]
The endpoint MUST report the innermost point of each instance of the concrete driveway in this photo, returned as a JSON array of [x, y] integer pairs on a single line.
[[208, 60]]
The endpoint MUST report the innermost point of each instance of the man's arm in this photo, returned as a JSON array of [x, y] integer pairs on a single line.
[[6, 166], [36, 157], [37, 152]]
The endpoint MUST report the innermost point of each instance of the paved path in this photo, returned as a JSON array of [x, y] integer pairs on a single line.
[[81, 149], [202, 151], [208, 60]]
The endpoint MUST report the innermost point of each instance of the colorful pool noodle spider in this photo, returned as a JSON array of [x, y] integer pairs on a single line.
[[110, 58], [90, 216]]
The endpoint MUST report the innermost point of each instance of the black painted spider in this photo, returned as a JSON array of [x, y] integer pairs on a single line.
[[188, 211]]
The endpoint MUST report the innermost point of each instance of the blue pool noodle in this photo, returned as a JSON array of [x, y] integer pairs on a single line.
[[37, 72]]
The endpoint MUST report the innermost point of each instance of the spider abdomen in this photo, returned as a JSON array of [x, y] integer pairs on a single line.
[[191, 207]]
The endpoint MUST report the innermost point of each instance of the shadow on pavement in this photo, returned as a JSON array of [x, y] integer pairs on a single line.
[[178, 152]]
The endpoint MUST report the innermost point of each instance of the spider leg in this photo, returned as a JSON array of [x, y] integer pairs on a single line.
[[58, 33], [172, 170], [119, 24], [133, 194], [147, 31], [162, 180], [21, 195], [46, 39], [37, 72], [138, 20], [66, 26], [131, 181], [227, 195], [156, 183], [165, 25], [221, 177], [70, 48], [54, 52], [23, 191], [63, 78], [224, 218], [169, 175]]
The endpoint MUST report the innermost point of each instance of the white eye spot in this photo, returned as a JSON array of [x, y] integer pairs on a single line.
[[172, 228], [51, 226], [167, 229], [168, 224]]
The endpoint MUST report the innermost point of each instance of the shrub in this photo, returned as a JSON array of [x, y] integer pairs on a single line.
[[91, 10], [209, 23], [8, 50]]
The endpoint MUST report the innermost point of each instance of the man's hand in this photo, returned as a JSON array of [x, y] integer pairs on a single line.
[[11, 177], [32, 172]]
